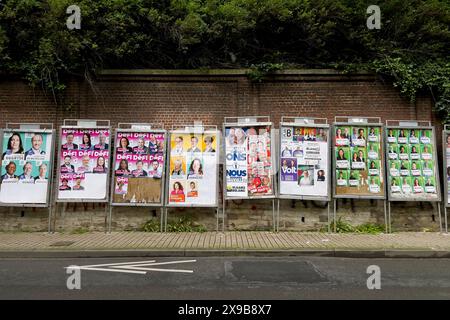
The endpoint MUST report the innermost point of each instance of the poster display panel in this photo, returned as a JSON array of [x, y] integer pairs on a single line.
[[304, 161], [358, 159], [26, 166], [248, 161], [411, 162], [138, 167], [193, 168], [83, 163]]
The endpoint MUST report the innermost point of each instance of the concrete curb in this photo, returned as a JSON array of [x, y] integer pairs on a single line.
[[341, 253]]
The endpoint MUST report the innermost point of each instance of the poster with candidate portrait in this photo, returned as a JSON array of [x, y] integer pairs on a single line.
[[248, 161], [446, 155], [138, 167], [26, 166], [412, 172], [358, 161], [83, 164], [304, 160], [192, 168]]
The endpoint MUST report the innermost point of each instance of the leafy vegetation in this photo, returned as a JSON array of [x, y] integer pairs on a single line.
[[411, 48], [181, 224], [345, 227]]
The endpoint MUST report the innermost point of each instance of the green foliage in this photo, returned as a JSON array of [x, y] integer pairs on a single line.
[[345, 227], [411, 48], [80, 230], [181, 224]]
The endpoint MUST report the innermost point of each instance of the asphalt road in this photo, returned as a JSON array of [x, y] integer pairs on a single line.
[[229, 278]]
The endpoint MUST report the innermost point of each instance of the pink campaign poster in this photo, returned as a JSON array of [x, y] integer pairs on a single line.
[[84, 164], [138, 167]]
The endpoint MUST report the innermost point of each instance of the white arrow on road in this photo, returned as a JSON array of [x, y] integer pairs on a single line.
[[134, 267]]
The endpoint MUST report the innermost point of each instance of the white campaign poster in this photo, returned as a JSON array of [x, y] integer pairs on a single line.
[[84, 163], [25, 167], [193, 160], [304, 161]]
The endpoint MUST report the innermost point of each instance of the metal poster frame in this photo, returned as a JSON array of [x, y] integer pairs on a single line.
[[84, 124], [414, 124], [249, 121], [34, 128], [140, 128], [361, 121], [445, 132], [307, 122], [192, 129]]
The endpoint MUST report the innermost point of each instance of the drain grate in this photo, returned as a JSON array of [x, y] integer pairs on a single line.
[[62, 243]]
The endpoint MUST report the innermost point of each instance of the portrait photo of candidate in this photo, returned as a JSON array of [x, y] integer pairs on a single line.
[[178, 149], [178, 168], [101, 145], [177, 188], [124, 145], [27, 169], [286, 152], [341, 155], [194, 143], [152, 144], [67, 166], [64, 185], [15, 145], [195, 169], [42, 173], [155, 170], [361, 156], [100, 166], [139, 171], [86, 142], [321, 175], [10, 172], [208, 140], [141, 148], [123, 169], [236, 136], [78, 185], [85, 165], [429, 183], [36, 146], [69, 145]]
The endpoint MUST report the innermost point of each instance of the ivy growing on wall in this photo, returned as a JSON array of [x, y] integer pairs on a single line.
[[411, 48]]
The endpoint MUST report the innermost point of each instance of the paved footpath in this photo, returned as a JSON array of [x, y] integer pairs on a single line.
[[402, 244]]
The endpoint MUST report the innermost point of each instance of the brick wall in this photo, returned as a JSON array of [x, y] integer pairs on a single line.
[[179, 97]]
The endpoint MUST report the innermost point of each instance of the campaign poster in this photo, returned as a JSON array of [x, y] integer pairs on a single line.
[[447, 158], [412, 172], [248, 161], [359, 161], [304, 161], [193, 161], [84, 164], [25, 167], [138, 167]]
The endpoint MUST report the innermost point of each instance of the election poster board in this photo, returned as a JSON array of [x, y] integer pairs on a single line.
[[304, 161], [193, 161], [26, 167], [358, 160], [139, 167], [412, 163], [83, 164], [446, 155], [249, 160]]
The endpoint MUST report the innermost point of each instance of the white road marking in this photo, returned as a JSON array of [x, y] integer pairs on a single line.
[[136, 267]]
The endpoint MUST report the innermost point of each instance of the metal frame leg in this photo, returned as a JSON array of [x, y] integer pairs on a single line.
[[161, 219], [110, 218], [274, 227], [445, 219], [223, 214], [106, 218], [217, 219], [334, 216], [385, 217], [440, 218], [165, 219], [50, 218], [328, 215], [278, 215], [389, 217]]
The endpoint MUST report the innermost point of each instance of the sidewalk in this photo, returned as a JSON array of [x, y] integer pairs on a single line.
[[123, 244]]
